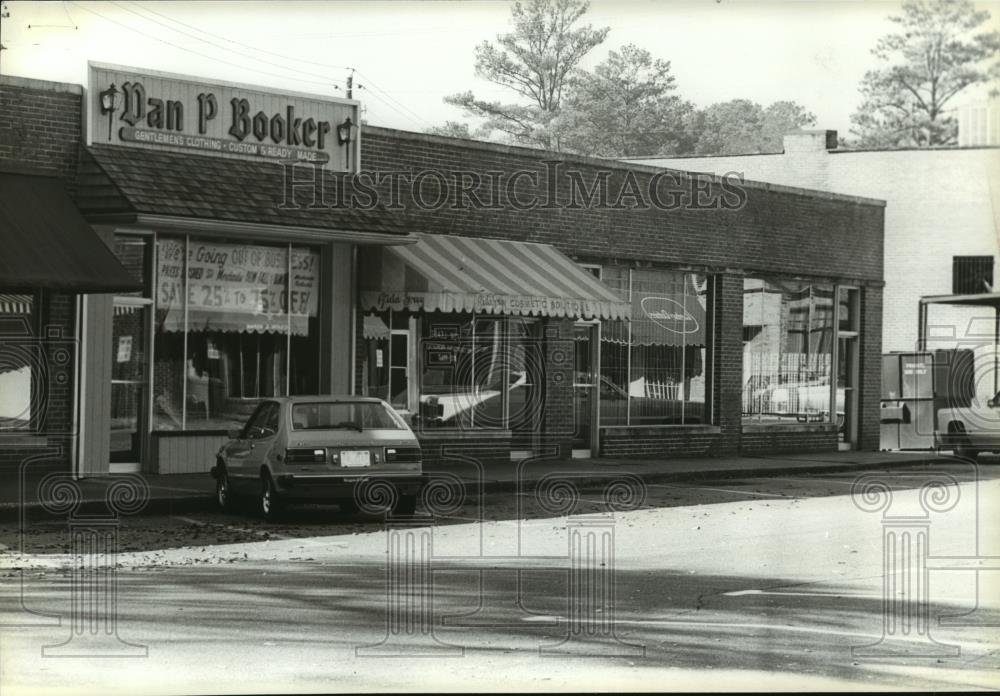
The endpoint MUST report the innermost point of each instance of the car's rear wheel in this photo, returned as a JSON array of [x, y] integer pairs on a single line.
[[270, 501], [966, 452], [223, 491], [406, 506], [963, 448]]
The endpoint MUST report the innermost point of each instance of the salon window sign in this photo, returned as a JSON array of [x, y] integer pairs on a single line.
[[669, 313], [237, 279], [183, 114]]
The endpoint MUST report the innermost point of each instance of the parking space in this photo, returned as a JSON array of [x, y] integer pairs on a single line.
[[210, 528]]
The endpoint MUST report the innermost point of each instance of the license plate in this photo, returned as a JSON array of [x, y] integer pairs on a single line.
[[355, 458]]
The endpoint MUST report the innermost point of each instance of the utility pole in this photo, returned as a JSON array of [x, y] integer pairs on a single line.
[[350, 84], [4, 14]]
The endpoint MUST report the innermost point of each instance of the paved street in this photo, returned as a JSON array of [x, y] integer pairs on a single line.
[[731, 583]]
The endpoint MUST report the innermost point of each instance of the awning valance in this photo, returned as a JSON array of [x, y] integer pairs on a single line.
[[48, 244], [230, 322], [444, 273], [15, 304], [375, 328]]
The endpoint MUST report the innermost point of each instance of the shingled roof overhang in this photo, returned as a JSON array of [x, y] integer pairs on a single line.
[[225, 196]]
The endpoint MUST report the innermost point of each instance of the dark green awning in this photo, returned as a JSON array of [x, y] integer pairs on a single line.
[[46, 243]]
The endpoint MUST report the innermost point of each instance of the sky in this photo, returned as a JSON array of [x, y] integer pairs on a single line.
[[408, 55]]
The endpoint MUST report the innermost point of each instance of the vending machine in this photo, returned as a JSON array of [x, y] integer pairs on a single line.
[[907, 405]]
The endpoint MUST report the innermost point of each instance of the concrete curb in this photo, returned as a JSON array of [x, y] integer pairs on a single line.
[[195, 503]]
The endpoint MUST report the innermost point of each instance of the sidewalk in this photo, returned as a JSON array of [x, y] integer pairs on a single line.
[[187, 492]]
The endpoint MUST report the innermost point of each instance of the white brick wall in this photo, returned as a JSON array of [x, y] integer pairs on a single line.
[[939, 203]]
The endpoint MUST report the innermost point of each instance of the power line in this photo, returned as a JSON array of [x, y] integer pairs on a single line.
[[325, 83], [409, 112], [378, 93], [395, 108], [236, 43], [382, 95], [217, 46]]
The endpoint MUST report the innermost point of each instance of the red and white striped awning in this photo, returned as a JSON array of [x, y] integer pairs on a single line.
[[443, 273], [15, 304]]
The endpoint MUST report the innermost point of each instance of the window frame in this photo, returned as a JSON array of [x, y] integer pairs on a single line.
[[960, 274], [710, 412], [35, 340], [186, 239], [758, 419]]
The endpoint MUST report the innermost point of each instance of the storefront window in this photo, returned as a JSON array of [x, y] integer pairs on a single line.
[[18, 359], [234, 323], [653, 368], [615, 354], [788, 334], [463, 382], [526, 376], [464, 372]]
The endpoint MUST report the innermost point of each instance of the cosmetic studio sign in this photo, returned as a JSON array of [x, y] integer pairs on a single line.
[[160, 111]]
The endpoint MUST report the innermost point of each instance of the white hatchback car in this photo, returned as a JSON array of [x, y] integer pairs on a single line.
[[351, 450]]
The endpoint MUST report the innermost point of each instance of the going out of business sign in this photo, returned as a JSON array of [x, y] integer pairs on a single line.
[[155, 110], [237, 278]]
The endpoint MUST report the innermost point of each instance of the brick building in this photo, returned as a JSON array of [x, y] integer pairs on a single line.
[[509, 302], [40, 136], [942, 215]]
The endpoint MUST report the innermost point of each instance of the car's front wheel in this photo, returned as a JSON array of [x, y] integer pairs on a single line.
[[270, 501]]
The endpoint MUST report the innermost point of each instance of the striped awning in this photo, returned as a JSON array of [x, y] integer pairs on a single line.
[[443, 273], [374, 327], [15, 304]]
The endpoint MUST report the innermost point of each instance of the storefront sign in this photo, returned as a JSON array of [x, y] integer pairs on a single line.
[[172, 112], [485, 303], [237, 279], [193, 142]]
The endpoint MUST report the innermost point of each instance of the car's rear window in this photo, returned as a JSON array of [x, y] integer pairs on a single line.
[[346, 415]]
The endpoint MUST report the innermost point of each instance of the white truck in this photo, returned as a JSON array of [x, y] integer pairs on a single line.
[[966, 349], [968, 415]]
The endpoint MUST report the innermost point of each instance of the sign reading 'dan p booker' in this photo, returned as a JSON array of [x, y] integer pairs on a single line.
[[158, 111]]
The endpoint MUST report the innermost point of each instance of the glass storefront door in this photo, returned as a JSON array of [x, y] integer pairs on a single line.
[[847, 390], [586, 377], [129, 381]]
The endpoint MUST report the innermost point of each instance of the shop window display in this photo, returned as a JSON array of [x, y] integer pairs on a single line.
[[234, 323], [464, 372], [471, 368], [18, 361], [654, 367], [788, 334]]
